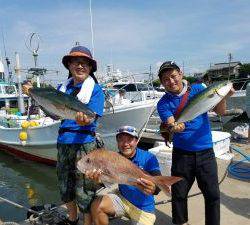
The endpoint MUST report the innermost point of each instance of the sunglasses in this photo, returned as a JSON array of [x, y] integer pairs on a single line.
[[126, 129]]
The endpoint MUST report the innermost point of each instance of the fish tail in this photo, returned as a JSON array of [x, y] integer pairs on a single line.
[[164, 182]]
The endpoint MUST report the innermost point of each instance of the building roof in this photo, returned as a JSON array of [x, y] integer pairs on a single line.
[[219, 66]]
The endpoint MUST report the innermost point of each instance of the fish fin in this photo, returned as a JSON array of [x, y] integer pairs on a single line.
[[164, 182]]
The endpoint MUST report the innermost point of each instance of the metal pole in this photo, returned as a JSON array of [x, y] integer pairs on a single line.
[[20, 94], [91, 26]]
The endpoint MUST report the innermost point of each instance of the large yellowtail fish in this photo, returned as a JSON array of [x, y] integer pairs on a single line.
[[60, 104], [204, 101]]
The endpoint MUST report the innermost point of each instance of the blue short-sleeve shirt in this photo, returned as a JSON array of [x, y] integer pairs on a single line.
[[148, 162], [96, 104], [197, 134]]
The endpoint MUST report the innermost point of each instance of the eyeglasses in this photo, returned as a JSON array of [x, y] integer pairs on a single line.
[[83, 64]]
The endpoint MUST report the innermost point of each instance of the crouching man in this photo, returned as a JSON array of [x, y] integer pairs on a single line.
[[137, 204]]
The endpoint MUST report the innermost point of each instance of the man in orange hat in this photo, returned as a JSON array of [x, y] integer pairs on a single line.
[[77, 137]]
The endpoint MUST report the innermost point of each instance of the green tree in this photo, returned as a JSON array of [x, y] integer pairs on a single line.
[[190, 79], [244, 70], [156, 83]]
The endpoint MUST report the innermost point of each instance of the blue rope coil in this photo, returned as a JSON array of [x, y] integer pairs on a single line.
[[237, 169]]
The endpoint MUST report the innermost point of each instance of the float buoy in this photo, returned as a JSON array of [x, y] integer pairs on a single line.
[[23, 136]]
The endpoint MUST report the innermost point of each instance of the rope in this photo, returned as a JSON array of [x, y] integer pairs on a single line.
[[146, 123], [9, 223], [45, 215], [19, 206], [237, 170]]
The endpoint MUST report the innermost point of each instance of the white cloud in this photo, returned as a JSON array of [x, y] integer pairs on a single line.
[[136, 36]]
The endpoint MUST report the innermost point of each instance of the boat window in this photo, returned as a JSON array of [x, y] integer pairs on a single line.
[[144, 87], [119, 86], [2, 104], [10, 89], [130, 87], [133, 87]]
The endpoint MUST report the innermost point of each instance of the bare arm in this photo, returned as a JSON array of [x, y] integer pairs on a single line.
[[221, 107]]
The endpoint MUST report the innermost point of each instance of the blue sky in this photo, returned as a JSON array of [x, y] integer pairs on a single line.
[[133, 34]]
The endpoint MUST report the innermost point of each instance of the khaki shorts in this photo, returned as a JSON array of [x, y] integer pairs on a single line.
[[137, 216]]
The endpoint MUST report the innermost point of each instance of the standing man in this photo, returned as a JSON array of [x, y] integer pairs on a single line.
[[77, 137], [193, 155], [136, 204]]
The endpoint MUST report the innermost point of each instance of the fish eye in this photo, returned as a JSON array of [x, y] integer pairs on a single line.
[[88, 160]]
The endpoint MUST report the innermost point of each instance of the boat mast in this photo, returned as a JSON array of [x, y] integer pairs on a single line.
[[7, 61], [20, 94]]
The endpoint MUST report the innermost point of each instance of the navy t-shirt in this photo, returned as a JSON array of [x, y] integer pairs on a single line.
[[197, 134], [96, 104], [148, 162]]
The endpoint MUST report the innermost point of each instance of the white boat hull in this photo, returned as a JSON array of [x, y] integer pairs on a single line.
[[41, 143]]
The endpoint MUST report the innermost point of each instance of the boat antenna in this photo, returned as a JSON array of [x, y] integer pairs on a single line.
[[229, 65], [7, 60], [33, 44], [91, 27]]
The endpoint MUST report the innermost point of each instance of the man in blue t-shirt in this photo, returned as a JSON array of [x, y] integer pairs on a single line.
[[77, 137], [193, 155], [135, 203]]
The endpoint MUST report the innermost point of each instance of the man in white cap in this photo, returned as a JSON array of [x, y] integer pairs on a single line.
[[135, 203]]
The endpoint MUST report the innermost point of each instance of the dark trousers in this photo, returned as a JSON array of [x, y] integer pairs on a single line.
[[202, 166]]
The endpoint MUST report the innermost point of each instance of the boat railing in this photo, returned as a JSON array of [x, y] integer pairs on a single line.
[[240, 83], [15, 121], [138, 94]]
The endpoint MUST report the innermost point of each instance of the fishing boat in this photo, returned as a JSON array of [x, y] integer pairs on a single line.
[[239, 99], [9, 97], [40, 142], [35, 138], [137, 91]]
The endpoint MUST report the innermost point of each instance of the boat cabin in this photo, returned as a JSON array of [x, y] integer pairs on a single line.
[[9, 95]]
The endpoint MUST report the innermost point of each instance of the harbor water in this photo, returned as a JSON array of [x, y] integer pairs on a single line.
[[25, 183]]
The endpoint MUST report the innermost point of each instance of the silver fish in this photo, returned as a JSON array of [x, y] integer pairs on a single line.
[[60, 104], [204, 101]]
